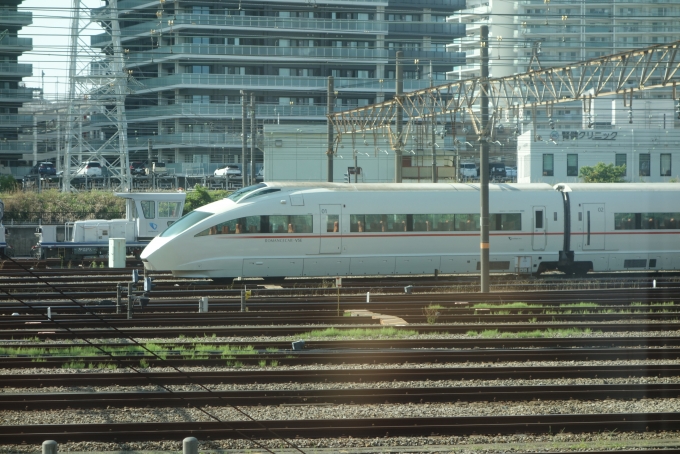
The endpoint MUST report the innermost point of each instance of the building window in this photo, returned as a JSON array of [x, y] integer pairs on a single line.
[[666, 165], [644, 165], [200, 69], [621, 161], [548, 165], [200, 99], [572, 165], [200, 9]]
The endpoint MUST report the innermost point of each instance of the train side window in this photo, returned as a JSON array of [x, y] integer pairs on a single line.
[[624, 221], [291, 224], [333, 223], [149, 209], [506, 221], [466, 222], [357, 223], [423, 222], [443, 222], [168, 209], [539, 219]]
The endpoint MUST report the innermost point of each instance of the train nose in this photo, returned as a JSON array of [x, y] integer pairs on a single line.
[[154, 256]]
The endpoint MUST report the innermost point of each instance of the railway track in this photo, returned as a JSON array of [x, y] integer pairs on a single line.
[[260, 356], [336, 428], [419, 395], [268, 376]]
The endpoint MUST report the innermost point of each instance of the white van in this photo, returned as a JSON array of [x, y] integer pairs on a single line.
[[468, 170]]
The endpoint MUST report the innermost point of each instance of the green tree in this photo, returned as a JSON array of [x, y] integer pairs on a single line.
[[8, 183], [201, 196], [603, 173]]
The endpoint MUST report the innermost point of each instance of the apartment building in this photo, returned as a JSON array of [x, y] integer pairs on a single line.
[[528, 33], [190, 61], [13, 92]]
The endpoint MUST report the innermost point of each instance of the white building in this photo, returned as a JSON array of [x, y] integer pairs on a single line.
[[643, 139], [298, 153]]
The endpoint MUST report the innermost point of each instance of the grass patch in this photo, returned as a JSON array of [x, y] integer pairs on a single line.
[[73, 365], [494, 333], [581, 304], [360, 333], [517, 305]]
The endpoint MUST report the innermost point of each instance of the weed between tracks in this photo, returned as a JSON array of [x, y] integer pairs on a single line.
[[494, 333], [360, 333]]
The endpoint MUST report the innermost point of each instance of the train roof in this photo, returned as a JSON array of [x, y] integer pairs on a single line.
[[407, 187], [618, 187]]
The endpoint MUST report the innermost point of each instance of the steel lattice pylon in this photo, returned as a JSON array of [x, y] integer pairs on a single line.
[[619, 74], [97, 88]]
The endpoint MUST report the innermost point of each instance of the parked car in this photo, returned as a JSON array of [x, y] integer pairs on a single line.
[[468, 170], [496, 171], [137, 168], [228, 170], [47, 168], [90, 169]]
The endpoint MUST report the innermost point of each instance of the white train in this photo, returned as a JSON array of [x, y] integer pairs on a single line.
[[146, 215], [337, 229]]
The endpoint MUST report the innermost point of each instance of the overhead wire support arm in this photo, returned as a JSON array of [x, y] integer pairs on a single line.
[[634, 70]]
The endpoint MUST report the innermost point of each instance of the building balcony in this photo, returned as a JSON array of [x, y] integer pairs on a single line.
[[420, 29], [184, 140], [12, 44], [272, 83], [425, 57], [14, 146], [16, 69], [9, 18], [125, 5], [220, 22], [201, 112], [16, 95], [439, 5], [214, 52], [472, 14], [13, 121]]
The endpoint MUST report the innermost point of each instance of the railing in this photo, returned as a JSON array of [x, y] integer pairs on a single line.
[[15, 17], [16, 68], [12, 41], [275, 83], [222, 21], [174, 52]]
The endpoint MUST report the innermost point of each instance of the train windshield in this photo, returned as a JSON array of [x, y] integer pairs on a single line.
[[185, 222], [238, 195]]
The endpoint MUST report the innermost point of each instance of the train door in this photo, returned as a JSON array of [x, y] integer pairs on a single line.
[[593, 226], [538, 238], [331, 230], [147, 223]]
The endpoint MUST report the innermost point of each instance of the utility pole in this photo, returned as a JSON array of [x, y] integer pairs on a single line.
[[329, 111], [432, 132], [253, 131], [484, 162], [244, 136], [399, 90]]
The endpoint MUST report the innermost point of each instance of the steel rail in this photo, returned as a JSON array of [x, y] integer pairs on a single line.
[[329, 295], [273, 375], [45, 330], [137, 399], [327, 428], [336, 357], [291, 324]]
